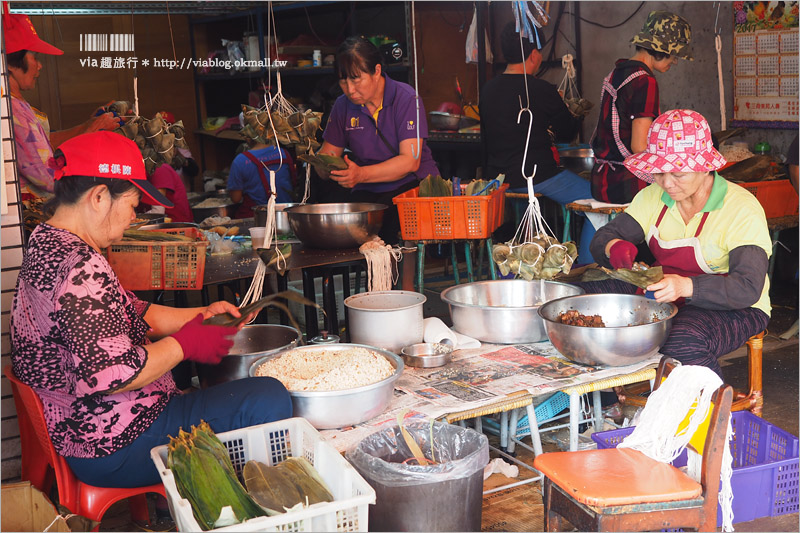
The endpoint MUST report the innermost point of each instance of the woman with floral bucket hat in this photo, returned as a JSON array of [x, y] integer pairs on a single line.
[[709, 235], [629, 101]]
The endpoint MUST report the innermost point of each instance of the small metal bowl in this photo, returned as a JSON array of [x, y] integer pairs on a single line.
[[427, 354]]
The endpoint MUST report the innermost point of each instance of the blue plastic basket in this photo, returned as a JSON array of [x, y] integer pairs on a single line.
[[545, 411], [766, 472]]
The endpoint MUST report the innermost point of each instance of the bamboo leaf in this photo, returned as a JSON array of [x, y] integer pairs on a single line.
[[228, 320]]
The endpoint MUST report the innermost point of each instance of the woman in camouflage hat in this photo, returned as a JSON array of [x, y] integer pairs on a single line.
[[630, 103]]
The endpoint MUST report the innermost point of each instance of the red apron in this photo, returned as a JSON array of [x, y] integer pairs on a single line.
[[246, 208], [680, 256]]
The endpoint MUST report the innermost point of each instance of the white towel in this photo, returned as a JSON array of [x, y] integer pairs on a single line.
[[434, 330]]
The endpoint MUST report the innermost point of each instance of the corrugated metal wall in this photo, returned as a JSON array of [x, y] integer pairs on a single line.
[[11, 246]]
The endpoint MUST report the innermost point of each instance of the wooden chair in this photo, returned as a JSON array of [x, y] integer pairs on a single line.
[[621, 489], [41, 462], [752, 400]]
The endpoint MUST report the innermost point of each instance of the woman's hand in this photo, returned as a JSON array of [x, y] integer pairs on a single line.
[[220, 307], [350, 177], [672, 287]]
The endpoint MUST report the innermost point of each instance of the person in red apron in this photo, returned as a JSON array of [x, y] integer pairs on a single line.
[[709, 235], [249, 178], [629, 101]]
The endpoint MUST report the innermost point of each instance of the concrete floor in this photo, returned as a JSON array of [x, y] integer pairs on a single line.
[[780, 376]]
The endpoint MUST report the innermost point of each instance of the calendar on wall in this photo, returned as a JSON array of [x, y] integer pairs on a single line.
[[765, 64]]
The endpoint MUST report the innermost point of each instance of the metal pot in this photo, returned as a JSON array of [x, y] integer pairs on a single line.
[[328, 226], [341, 408], [281, 217], [636, 327], [249, 344], [450, 121], [386, 319], [577, 160], [504, 311]]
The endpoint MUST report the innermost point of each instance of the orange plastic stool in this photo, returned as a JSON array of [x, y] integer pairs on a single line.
[[40, 462], [752, 401]]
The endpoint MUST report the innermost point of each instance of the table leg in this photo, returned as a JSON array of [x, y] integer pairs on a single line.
[[598, 411], [312, 327], [504, 430], [492, 268], [479, 424], [454, 261], [420, 266], [567, 229], [468, 248], [329, 303], [513, 420], [480, 262], [283, 285], [574, 420], [533, 423]]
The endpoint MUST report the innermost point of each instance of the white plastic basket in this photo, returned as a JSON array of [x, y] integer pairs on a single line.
[[271, 444]]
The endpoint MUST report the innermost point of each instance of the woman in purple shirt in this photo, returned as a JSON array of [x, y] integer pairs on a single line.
[[377, 120], [98, 357]]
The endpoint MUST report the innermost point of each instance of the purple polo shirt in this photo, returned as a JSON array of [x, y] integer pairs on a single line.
[[351, 126]]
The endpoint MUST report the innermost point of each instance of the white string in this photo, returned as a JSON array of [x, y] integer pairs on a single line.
[[416, 150], [56, 519], [722, 110]]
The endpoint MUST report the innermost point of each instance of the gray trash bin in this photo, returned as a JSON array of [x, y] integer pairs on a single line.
[[446, 496]]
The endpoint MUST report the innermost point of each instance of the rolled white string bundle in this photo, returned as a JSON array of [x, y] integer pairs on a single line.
[[688, 388], [381, 264]]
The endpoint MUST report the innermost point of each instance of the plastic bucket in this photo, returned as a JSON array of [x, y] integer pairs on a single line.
[[442, 497]]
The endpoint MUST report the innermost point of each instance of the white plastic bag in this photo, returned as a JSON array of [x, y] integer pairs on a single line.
[[472, 41]]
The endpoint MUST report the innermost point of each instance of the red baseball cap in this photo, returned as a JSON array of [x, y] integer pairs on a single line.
[[104, 154], [21, 35], [167, 116]]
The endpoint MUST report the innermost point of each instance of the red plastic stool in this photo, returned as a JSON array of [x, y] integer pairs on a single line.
[[40, 461]]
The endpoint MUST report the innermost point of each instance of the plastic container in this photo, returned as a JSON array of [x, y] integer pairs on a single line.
[[449, 217], [777, 197], [271, 444], [545, 411], [258, 235], [317, 58], [446, 496], [765, 480], [160, 265]]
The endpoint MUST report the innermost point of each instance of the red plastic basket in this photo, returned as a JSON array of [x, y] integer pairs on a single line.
[[765, 480], [777, 197], [449, 217], [160, 265]]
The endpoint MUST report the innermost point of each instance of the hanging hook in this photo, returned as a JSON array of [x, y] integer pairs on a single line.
[[716, 19], [527, 142]]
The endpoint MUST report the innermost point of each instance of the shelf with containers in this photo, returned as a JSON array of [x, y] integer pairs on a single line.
[[302, 28]]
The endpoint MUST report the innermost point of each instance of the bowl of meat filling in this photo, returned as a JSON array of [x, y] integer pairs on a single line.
[[607, 329]]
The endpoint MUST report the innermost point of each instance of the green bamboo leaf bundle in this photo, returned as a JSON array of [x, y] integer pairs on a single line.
[[281, 487], [434, 187], [143, 235], [205, 476]]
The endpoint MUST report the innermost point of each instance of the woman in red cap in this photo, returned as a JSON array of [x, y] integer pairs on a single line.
[[709, 235], [33, 138], [98, 357]]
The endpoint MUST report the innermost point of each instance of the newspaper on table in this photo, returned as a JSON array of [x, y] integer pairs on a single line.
[[478, 377]]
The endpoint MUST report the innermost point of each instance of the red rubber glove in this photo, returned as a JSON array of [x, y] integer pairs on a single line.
[[622, 254], [204, 344]]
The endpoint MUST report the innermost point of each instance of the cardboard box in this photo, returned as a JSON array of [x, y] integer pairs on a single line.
[[25, 508]]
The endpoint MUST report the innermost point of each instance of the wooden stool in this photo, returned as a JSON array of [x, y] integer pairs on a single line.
[[469, 251], [752, 401]]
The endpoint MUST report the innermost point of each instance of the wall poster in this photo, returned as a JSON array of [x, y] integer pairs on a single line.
[[765, 64]]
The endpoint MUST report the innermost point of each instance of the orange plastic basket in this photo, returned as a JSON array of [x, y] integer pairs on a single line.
[[449, 217], [160, 265], [777, 197]]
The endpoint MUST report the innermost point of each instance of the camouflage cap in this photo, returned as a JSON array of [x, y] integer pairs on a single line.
[[667, 33]]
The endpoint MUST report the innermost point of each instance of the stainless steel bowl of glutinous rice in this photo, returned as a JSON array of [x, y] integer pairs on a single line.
[[335, 385]]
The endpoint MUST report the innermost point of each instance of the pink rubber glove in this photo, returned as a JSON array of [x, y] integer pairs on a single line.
[[204, 344], [622, 254]]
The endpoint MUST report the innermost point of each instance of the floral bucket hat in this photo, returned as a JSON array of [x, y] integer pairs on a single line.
[[678, 141]]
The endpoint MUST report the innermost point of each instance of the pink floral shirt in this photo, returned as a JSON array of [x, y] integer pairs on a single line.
[[76, 337], [33, 149]]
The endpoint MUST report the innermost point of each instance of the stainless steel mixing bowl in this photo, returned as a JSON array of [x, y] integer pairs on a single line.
[[281, 217], [503, 311], [202, 213], [333, 226], [249, 344], [636, 327], [348, 407], [577, 160]]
